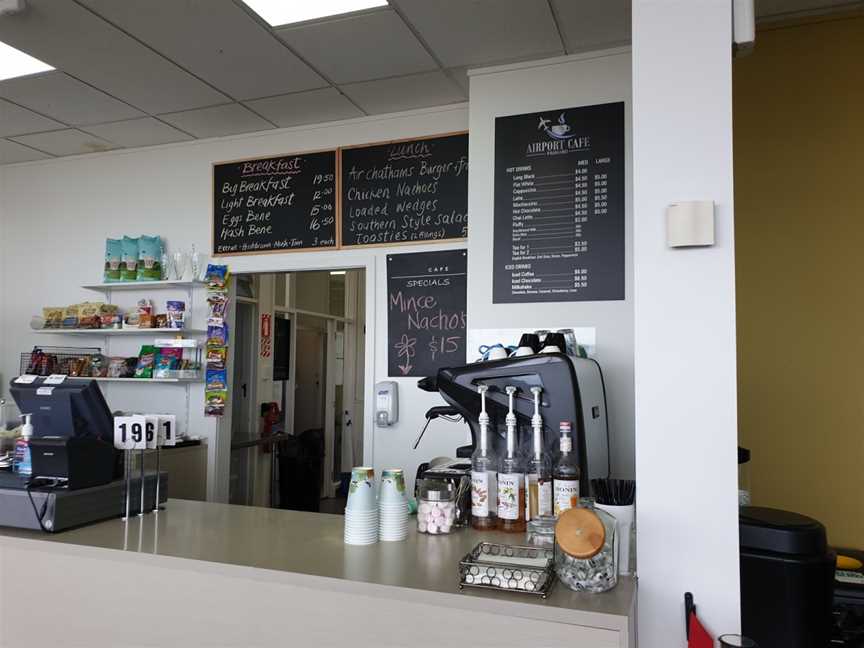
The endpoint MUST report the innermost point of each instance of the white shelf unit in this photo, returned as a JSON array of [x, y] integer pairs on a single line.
[[153, 332], [108, 289], [138, 380], [144, 285]]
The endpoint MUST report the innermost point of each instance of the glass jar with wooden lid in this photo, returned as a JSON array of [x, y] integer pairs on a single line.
[[585, 559]]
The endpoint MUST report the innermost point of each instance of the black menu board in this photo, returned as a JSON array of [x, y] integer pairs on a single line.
[[559, 206], [426, 298], [275, 204], [411, 191]]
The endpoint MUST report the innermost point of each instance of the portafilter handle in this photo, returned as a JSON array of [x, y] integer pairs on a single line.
[[433, 413]]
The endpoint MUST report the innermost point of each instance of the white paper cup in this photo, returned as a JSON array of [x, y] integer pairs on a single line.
[[496, 353], [361, 491], [392, 487]]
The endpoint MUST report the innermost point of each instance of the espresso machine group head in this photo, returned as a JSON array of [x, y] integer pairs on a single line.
[[572, 390]]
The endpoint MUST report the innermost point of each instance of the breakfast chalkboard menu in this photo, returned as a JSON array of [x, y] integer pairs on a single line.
[[275, 204], [405, 192], [559, 205], [426, 303]]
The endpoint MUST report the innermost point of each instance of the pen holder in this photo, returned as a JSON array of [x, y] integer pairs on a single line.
[[624, 522]]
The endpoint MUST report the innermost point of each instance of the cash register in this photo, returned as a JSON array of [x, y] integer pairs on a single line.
[[76, 476]]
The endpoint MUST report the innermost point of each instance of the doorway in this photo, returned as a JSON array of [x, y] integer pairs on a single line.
[[297, 419]]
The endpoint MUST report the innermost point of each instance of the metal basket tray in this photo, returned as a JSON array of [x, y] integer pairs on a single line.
[[46, 360], [508, 568]]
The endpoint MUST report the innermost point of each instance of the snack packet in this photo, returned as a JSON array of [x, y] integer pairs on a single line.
[[129, 259], [146, 360], [113, 259], [149, 258]]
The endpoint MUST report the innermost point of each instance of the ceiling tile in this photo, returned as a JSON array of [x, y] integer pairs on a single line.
[[11, 152], [15, 120], [138, 132], [360, 47], [229, 119], [230, 49], [593, 24], [327, 104], [60, 96], [404, 93], [70, 37], [484, 31], [65, 142]]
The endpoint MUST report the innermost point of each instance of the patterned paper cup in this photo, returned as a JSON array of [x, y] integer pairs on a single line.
[[361, 491], [392, 486]]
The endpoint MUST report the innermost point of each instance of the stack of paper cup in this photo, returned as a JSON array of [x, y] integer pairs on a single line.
[[361, 510], [392, 506]]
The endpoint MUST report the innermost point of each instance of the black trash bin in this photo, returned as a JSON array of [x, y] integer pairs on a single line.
[[301, 466], [787, 579]]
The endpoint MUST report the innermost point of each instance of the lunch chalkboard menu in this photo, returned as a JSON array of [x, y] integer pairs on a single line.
[[275, 204], [405, 192], [559, 205], [426, 297]]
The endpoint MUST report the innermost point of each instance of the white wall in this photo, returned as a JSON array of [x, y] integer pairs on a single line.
[[59, 212], [600, 77], [687, 512]]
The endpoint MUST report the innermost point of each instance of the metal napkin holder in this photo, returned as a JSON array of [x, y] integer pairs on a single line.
[[508, 568]]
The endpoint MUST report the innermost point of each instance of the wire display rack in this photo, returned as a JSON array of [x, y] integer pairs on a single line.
[[70, 361]]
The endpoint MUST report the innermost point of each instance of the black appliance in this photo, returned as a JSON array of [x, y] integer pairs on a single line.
[[787, 579], [74, 408], [848, 629], [80, 462], [573, 390], [73, 432]]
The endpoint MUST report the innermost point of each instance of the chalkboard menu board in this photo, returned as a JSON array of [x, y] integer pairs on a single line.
[[559, 206], [426, 296], [275, 204], [405, 192]]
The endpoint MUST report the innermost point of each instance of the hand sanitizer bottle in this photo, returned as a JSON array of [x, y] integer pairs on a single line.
[[23, 462]]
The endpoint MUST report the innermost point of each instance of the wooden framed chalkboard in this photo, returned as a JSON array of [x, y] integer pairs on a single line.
[[405, 191], [559, 205], [278, 204], [426, 304]]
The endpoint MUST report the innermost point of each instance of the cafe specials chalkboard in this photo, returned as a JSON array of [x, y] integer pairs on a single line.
[[559, 205], [411, 191], [275, 204], [426, 297]]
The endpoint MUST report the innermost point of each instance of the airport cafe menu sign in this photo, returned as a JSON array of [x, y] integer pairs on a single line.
[[559, 206], [408, 191], [275, 204], [426, 312]]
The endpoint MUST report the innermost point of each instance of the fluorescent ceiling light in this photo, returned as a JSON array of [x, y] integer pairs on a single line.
[[337, 272], [285, 12], [15, 63]]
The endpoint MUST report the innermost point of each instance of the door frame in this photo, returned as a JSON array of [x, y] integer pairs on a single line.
[[219, 473]]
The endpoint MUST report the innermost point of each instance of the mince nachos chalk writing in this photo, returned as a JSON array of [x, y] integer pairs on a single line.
[[426, 304]]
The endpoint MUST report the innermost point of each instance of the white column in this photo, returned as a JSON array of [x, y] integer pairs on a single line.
[[686, 420]]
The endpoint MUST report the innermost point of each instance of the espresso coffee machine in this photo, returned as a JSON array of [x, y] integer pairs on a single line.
[[572, 390]]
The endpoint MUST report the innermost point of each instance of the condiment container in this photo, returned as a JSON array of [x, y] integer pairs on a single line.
[[436, 507], [585, 557]]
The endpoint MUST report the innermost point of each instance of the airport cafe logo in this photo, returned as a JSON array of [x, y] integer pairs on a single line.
[[561, 138]]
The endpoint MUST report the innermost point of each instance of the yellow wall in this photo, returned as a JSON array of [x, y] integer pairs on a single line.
[[799, 219]]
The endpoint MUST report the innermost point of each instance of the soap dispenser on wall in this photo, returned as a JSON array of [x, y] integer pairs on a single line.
[[386, 403]]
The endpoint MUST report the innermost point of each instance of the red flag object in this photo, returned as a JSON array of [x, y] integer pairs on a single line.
[[699, 637]]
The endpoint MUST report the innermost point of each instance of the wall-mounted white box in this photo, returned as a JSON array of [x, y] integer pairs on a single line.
[[690, 223]]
